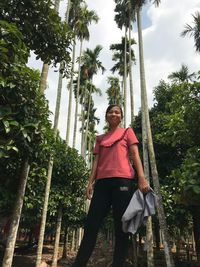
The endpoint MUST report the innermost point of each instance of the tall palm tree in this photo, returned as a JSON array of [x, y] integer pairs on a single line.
[[91, 136], [89, 89], [161, 215], [50, 165], [74, 14], [122, 56], [124, 17], [194, 31], [89, 67], [182, 75], [131, 17], [82, 32], [70, 87], [121, 20]]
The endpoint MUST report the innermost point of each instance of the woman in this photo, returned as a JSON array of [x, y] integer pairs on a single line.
[[111, 184]]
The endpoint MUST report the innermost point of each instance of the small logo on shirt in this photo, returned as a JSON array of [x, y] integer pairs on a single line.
[[123, 188]]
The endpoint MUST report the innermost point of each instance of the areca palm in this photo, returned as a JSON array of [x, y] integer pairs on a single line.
[[121, 20], [74, 14], [88, 104], [89, 67], [148, 141], [194, 31], [122, 56], [82, 31], [182, 75], [50, 164]]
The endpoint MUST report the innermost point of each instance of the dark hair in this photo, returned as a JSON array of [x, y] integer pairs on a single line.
[[112, 106]]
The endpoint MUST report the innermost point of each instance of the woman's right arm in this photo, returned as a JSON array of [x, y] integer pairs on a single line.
[[89, 190]]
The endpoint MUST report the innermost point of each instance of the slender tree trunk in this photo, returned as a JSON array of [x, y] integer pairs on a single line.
[[44, 213], [59, 93], [73, 241], [70, 95], [67, 12], [50, 164], [82, 127], [161, 215], [43, 79], [57, 239], [87, 123], [125, 76], [130, 70], [64, 254], [45, 67], [134, 251], [77, 95], [16, 214], [196, 230], [149, 234]]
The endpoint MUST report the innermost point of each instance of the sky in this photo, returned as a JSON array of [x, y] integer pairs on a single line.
[[164, 52]]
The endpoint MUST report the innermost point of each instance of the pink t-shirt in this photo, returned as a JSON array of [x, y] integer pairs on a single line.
[[113, 151]]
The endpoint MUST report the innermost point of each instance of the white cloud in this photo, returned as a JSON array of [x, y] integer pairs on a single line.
[[164, 50]]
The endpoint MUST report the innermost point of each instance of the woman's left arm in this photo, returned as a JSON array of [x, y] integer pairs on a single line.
[[143, 184]]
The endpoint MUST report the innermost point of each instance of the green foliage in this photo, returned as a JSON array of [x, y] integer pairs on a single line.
[[181, 124], [175, 120], [119, 58], [41, 27], [68, 182], [194, 31], [25, 130], [188, 177], [23, 111]]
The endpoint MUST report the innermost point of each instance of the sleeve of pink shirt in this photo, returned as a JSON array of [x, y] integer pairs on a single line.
[[96, 147], [131, 137]]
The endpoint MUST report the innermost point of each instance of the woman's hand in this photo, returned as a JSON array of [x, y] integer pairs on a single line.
[[89, 190], [143, 185]]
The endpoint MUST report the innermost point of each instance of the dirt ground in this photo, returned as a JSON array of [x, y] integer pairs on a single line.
[[101, 257]]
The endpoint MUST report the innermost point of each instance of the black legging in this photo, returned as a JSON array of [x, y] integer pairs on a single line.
[[115, 192]]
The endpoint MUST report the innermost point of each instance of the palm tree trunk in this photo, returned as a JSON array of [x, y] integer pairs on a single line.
[[64, 254], [10, 246], [87, 124], [125, 76], [149, 234], [50, 165], [59, 92], [130, 69], [57, 239], [67, 12], [77, 95], [45, 67], [196, 230], [82, 127], [43, 79], [44, 213], [161, 214], [70, 95]]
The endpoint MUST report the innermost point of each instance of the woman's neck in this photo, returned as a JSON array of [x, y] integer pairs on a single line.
[[113, 128]]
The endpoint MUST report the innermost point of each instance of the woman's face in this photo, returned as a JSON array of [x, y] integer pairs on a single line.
[[114, 116]]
